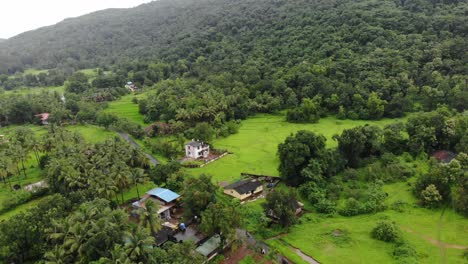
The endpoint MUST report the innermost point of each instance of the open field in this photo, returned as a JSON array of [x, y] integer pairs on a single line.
[[125, 108], [254, 147], [37, 90], [421, 228]]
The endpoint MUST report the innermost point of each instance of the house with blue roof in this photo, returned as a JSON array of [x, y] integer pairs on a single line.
[[164, 197]]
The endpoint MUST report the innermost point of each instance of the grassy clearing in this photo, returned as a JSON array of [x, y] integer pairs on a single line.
[[92, 133], [256, 144], [37, 90], [125, 108], [420, 227]]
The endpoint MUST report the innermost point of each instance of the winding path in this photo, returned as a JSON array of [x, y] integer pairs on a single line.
[[132, 142]]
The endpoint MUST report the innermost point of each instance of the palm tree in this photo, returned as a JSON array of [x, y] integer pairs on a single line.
[[138, 158], [138, 245], [120, 174], [149, 217], [57, 255], [137, 176], [36, 146]]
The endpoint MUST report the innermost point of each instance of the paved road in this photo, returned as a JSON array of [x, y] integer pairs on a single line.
[[127, 137]]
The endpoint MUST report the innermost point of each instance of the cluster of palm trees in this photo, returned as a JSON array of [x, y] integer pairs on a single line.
[[95, 232], [107, 169], [70, 164], [16, 151]]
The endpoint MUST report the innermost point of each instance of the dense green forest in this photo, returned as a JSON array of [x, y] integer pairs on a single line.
[[360, 60]]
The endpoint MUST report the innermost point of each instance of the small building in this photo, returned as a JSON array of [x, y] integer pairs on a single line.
[[444, 156], [164, 197], [210, 247], [196, 149], [44, 118], [131, 86], [298, 210], [244, 189]]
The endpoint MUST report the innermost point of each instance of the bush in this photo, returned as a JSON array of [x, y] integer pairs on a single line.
[[352, 207], [43, 161], [386, 231], [404, 250], [399, 206], [18, 198], [431, 197], [325, 206]]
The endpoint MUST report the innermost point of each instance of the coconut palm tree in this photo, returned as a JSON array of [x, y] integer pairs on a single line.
[[138, 245], [149, 217], [120, 172], [58, 255], [137, 176]]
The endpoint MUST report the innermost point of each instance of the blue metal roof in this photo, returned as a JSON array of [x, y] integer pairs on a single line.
[[164, 194]]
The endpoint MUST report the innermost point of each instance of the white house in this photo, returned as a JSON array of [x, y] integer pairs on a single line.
[[131, 86], [196, 149]]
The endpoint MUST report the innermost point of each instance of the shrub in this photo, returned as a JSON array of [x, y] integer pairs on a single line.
[[18, 198], [326, 206], [431, 197], [43, 161], [399, 206], [352, 207], [405, 253], [386, 231]]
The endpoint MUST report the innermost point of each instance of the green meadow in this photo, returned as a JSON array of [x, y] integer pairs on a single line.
[[125, 108], [341, 239], [34, 90], [254, 147]]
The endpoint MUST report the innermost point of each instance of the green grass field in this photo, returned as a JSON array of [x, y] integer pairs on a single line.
[[420, 227], [125, 108], [255, 146], [38, 90]]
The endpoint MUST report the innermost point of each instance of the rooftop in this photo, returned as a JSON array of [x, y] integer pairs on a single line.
[[209, 246], [444, 156], [195, 143], [43, 116], [164, 194], [244, 186]]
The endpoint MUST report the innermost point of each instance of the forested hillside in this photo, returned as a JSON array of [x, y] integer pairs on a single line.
[[366, 59]]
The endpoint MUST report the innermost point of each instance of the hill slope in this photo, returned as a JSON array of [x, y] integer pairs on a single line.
[[284, 31]]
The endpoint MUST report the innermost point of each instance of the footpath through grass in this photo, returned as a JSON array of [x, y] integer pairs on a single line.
[[255, 146]]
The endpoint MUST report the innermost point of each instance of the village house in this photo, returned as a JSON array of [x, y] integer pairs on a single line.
[[298, 210], [131, 86], [44, 117], [444, 156], [164, 197], [196, 149], [210, 247], [244, 189]]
